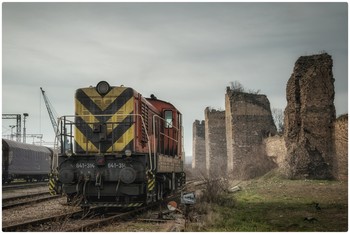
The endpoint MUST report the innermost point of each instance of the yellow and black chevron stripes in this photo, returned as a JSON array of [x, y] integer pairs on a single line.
[[83, 142], [52, 185], [112, 110], [84, 113], [151, 181], [107, 99], [122, 113], [124, 140]]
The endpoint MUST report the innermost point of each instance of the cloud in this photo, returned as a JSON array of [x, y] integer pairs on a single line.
[[185, 53]]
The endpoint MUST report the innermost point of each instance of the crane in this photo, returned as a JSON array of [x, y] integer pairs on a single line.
[[54, 184], [49, 110]]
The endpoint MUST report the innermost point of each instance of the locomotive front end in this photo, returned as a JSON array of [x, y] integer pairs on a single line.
[[100, 162]]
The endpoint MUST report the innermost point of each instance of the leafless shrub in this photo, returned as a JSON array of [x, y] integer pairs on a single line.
[[215, 191], [253, 91], [238, 87]]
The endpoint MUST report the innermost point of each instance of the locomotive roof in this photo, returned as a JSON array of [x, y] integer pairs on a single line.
[[159, 100], [151, 99], [20, 145]]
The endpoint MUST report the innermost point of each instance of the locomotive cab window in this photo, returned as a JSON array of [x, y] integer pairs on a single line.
[[168, 116]]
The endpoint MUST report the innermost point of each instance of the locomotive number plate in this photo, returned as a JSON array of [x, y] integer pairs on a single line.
[[116, 165], [84, 165]]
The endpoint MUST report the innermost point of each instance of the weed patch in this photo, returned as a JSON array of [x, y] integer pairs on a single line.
[[274, 204]]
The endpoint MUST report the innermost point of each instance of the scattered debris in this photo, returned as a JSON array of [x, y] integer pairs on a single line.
[[310, 219], [234, 189], [317, 206], [152, 220], [188, 198]]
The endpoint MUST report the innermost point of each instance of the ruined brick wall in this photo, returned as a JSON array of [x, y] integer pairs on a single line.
[[215, 138], [249, 121], [275, 148], [340, 163], [198, 146], [229, 132], [309, 118]]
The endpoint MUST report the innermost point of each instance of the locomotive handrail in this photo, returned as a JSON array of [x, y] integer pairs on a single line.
[[167, 136], [64, 119]]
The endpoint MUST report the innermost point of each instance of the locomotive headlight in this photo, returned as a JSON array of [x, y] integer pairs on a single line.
[[128, 153], [102, 87]]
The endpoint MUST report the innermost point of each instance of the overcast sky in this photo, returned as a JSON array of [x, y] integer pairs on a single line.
[[184, 53]]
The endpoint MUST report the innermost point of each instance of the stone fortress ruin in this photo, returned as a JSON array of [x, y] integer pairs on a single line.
[[249, 121], [242, 140]]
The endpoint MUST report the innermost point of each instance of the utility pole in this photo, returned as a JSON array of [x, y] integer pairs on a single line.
[[12, 126], [25, 115]]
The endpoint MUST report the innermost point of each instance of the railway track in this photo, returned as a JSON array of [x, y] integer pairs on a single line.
[[94, 223], [79, 220], [28, 199], [23, 186], [24, 226], [73, 221]]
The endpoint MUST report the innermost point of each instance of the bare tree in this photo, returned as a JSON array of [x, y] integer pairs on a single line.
[[236, 86], [278, 117]]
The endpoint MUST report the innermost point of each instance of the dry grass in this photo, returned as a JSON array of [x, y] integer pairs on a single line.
[[272, 203]]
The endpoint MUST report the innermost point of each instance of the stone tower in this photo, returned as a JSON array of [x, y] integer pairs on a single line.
[[309, 118], [215, 139], [248, 121], [198, 147], [340, 137]]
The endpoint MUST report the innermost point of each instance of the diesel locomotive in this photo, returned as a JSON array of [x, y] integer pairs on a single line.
[[120, 149]]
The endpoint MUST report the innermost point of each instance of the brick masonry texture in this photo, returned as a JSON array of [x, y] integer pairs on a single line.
[[249, 121], [198, 146], [215, 137], [275, 148], [340, 162], [309, 118]]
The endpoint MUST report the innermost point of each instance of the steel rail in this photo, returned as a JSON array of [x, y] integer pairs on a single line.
[[109, 220], [15, 204], [28, 225], [23, 196], [36, 222], [23, 186]]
